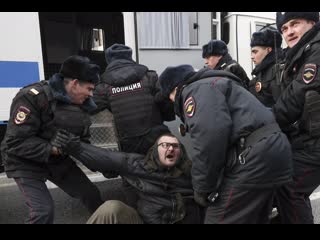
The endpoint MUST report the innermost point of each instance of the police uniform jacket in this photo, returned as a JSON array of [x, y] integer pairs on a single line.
[[226, 63], [36, 113], [131, 92], [266, 83], [300, 82], [217, 112], [165, 195]]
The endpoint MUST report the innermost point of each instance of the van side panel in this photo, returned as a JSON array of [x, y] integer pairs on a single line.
[[21, 55]]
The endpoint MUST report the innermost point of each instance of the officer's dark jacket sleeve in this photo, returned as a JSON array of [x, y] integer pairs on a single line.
[[290, 104], [22, 139], [100, 97], [209, 128], [166, 107]]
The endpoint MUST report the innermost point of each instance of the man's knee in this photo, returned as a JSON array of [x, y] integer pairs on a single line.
[[114, 212]]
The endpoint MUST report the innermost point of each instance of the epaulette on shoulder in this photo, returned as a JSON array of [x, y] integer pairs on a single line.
[[34, 90]]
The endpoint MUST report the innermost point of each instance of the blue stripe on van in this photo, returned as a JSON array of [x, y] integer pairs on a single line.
[[18, 74]]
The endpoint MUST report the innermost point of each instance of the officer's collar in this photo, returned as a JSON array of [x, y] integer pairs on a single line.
[[58, 89]]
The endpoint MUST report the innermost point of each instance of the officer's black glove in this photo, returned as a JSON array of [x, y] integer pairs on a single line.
[[73, 147], [59, 141], [110, 174], [201, 199]]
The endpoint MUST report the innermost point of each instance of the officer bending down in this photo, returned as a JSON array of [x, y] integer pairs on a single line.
[[31, 148], [240, 156]]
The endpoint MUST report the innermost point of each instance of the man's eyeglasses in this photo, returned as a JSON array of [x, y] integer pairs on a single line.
[[167, 145]]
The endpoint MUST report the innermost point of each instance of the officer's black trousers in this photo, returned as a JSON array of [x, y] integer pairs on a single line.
[[40, 203], [241, 206], [292, 200]]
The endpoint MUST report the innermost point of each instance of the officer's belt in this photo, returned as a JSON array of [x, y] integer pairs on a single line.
[[260, 133]]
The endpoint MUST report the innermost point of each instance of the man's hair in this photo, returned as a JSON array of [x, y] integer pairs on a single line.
[[167, 135]]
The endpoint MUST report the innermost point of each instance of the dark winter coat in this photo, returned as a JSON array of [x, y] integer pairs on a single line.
[[131, 92], [226, 63], [217, 113], [36, 113], [299, 101], [266, 83], [165, 195]]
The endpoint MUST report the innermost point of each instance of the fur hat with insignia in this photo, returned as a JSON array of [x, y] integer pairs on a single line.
[[171, 77], [266, 38], [214, 48], [118, 51], [81, 68], [283, 17]]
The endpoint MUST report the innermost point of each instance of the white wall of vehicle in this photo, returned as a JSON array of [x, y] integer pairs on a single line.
[[159, 59], [20, 46], [129, 31]]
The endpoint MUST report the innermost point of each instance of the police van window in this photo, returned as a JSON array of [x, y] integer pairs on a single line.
[[193, 28], [163, 30], [98, 40], [215, 25], [259, 26]]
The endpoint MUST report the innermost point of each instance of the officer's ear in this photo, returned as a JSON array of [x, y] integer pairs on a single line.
[[269, 49], [172, 95]]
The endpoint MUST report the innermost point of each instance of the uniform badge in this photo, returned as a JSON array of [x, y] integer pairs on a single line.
[[21, 115], [309, 73], [190, 107], [258, 86]]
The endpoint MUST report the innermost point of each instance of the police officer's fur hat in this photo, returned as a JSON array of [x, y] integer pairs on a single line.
[[214, 48], [81, 68], [171, 77], [118, 51], [283, 17], [266, 38]]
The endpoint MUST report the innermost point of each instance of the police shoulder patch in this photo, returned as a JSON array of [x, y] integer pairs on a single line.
[[21, 115], [309, 72], [190, 107]]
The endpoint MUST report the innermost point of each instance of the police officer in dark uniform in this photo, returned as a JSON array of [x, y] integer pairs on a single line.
[[240, 156], [39, 116], [297, 111], [266, 54], [217, 57], [131, 92]]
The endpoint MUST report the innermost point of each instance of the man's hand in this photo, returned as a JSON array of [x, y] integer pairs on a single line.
[[201, 199]]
